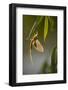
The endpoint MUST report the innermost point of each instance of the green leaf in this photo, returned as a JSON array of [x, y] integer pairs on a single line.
[[45, 67], [45, 27], [39, 19], [35, 25], [54, 60]]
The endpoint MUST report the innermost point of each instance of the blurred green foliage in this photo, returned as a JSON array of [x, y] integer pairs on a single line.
[[46, 68], [35, 24], [50, 23], [54, 60], [45, 27]]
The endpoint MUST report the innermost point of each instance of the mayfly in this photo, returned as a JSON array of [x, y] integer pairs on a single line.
[[36, 44]]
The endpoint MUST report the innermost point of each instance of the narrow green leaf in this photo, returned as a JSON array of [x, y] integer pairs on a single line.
[[45, 27], [54, 60], [35, 25], [39, 19]]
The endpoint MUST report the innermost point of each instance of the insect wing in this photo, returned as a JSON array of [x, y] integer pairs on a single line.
[[38, 46]]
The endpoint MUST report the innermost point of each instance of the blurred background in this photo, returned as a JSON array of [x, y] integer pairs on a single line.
[[46, 27]]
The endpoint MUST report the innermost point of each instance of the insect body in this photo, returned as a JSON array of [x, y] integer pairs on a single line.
[[36, 44]]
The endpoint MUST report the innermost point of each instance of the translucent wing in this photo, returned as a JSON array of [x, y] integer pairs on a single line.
[[38, 46]]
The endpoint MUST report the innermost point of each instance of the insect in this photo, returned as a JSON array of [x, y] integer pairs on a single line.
[[34, 42]]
